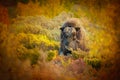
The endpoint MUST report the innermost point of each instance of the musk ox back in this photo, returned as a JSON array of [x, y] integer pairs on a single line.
[[72, 37]]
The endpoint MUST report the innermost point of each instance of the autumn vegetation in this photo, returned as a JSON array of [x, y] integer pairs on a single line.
[[30, 40]]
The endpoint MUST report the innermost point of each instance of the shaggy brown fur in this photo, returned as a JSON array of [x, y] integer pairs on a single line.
[[72, 36]]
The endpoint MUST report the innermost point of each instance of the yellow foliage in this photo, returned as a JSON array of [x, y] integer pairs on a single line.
[[50, 9], [37, 40], [29, 9], [66, 61]]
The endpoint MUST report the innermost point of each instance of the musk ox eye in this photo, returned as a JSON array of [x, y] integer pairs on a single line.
[[77, 28], [61, 28]]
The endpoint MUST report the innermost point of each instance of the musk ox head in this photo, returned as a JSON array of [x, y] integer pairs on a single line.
[[72, 36]]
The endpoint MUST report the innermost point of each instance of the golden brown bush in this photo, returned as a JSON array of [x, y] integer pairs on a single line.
[[4, 15]]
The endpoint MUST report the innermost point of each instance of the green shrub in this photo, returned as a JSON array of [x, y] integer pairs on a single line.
[[51, 55], [75, 55], [31, 54], [94, 62], [78, 54], [34, 58]]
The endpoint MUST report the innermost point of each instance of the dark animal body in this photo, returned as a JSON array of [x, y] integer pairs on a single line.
[[72, 37]]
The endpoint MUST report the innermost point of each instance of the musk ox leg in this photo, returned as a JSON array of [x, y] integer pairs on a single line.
[[64, 51], [60, 52]]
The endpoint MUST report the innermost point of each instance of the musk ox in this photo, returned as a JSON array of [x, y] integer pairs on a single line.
[[72, 37]]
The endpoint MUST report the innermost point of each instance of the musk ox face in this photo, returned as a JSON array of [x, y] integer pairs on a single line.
[[69, 32], [69, 35], [68, 39]]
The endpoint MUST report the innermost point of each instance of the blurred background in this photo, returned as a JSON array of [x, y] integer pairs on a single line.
[[30, 40]]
